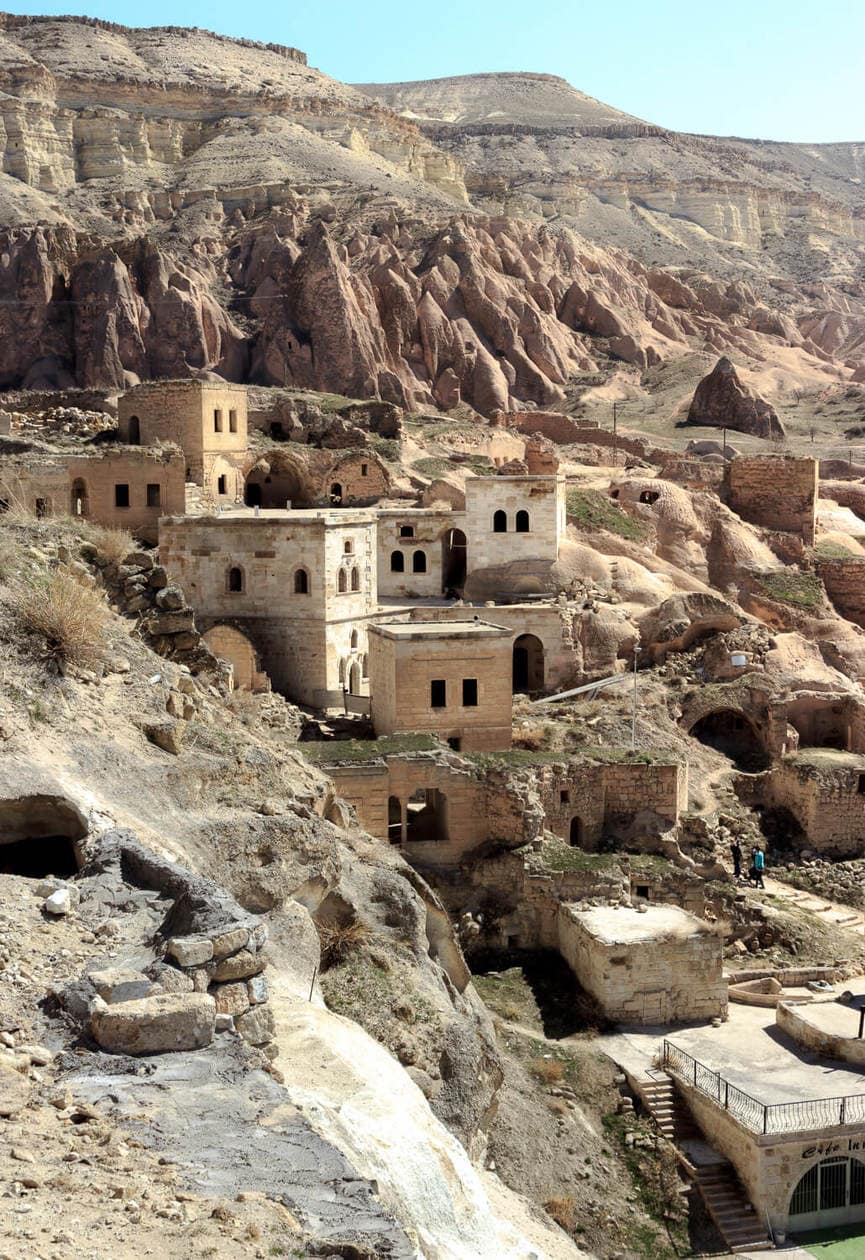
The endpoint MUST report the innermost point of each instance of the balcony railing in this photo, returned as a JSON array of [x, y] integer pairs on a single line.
[[758, 1117]]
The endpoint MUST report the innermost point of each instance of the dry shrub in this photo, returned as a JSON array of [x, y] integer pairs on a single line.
[[114, 545], [532, 738], [14, 493], [561, 1209], [338, 940], [68, 621], [548, 1071], [557, 1107]]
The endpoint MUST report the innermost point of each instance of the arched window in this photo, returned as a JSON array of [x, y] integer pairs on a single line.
[[348, 546], [353, 641], [234, 580], [342, 671], [522, 522], [500, 522], [336, 493], [301, 582], [397, 562], [364, 663], [341, 583], [418, 562], [355, 578]]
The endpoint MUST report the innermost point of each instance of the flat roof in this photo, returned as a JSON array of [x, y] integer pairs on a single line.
[[622, 925], [473, 481], [439, 630], [287, 516]]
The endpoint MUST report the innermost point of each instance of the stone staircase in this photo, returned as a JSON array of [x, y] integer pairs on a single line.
[[727, 1203], [724, 1196]]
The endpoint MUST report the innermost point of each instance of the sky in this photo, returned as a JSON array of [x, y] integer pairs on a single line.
[[767, 69]]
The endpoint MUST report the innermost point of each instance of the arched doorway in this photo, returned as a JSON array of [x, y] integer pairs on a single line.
[[733, 735], [830, 1193], [134, 431], [274, 482], [233, 646], [528, 663], [79, 505], [453, 560], [575, 837], [354, 679], [394, 820], [336, 494]]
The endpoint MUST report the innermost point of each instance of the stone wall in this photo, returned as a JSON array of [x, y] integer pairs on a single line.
[[310, 635], [581, 799], [541, 498], [669, 974], [844, 581], [827, 801], [550, 424], [429, 531], [775, 492], [361, 477]]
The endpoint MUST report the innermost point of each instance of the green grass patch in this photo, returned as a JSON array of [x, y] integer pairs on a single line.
[[440, 465], [556, 855], [791, 586], [334, 752], [828, 550], [591, 509], [655, 1179]]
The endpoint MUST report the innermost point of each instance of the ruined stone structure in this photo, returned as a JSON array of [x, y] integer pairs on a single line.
[[826, 797], [207, 420], [300, 586], [421, 552], [776, 492], [451, 679], [658, 966], [120, 487], [844, 581]]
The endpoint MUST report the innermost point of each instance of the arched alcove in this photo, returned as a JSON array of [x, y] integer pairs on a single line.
[[528, 663], [40, 835], [735, 736]]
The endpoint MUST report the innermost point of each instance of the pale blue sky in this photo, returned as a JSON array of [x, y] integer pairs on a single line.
[[773, 69]]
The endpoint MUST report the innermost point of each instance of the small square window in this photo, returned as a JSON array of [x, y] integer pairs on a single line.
[[642, 890], [565, 797], [455, 743], [232, 421], [121, 495], [406, 531], [438, 693], [470, 693], [154, 494]]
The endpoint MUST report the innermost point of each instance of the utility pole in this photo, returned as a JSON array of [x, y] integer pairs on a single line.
[[615, 436], [634, 712], [724, 440]]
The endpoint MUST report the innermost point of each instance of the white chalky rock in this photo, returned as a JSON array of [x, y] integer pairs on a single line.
[[59, 902]]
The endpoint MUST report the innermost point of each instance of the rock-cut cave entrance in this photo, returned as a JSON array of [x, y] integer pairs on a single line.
[[734, 735], [39, 836]]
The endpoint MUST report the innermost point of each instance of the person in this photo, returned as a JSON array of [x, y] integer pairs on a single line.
[[758, 866], [736, 851]]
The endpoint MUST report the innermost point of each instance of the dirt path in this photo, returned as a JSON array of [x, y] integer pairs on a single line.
[[840, 916]]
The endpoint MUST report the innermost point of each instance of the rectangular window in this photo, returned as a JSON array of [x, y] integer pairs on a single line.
[[438, 693], [470, 693], [121, 496], [564, 796], [220, 484], [154, 494], [217, 421], [364, 470], [232, 421]]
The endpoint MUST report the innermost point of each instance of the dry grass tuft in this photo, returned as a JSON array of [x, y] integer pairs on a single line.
[[548, 1071], [338, 940], [67, 621], [114, 545], [561, 1209]]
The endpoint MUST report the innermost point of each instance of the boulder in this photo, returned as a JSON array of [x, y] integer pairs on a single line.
[[14, 1091], [256, 1026], [166, 735], [115, 984], [154, 1025], [190, 951], [239, 966], [723, 401]]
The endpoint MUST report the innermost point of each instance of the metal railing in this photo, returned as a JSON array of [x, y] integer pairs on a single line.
[[758, 1117]]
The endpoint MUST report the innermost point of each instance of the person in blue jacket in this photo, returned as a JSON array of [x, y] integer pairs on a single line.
[[758, 865]]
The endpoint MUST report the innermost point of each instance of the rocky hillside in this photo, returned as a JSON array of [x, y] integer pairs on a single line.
[[174, 202]]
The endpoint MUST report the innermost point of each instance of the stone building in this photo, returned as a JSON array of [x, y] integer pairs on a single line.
[[825, 795], [450, 679], [657, 965], [775, 492], [844, 581], [421, 552], [119, 487], [207, 420], [514, 518], [300, 587]]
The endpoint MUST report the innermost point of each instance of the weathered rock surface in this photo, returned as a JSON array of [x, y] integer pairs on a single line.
[[721, 399], [154, 1025]]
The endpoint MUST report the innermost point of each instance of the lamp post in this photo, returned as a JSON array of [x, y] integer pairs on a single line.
[[634, 709]]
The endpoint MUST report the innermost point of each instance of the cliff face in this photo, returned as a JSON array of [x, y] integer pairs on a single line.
[[177, 202]]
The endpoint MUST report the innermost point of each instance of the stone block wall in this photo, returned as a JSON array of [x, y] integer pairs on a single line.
[[775, 492], [666, 977], [550, 424], [202, 417], [595, 793], [542, 498], [828, 803], [361, 477], [429, 529]]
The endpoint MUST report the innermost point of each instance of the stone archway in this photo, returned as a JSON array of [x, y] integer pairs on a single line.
[[276, 480], [79, 506], [733, 734], [829, 1194], [40, 835], [528, 664], [575, 832], [454, 560], [232, 645]]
